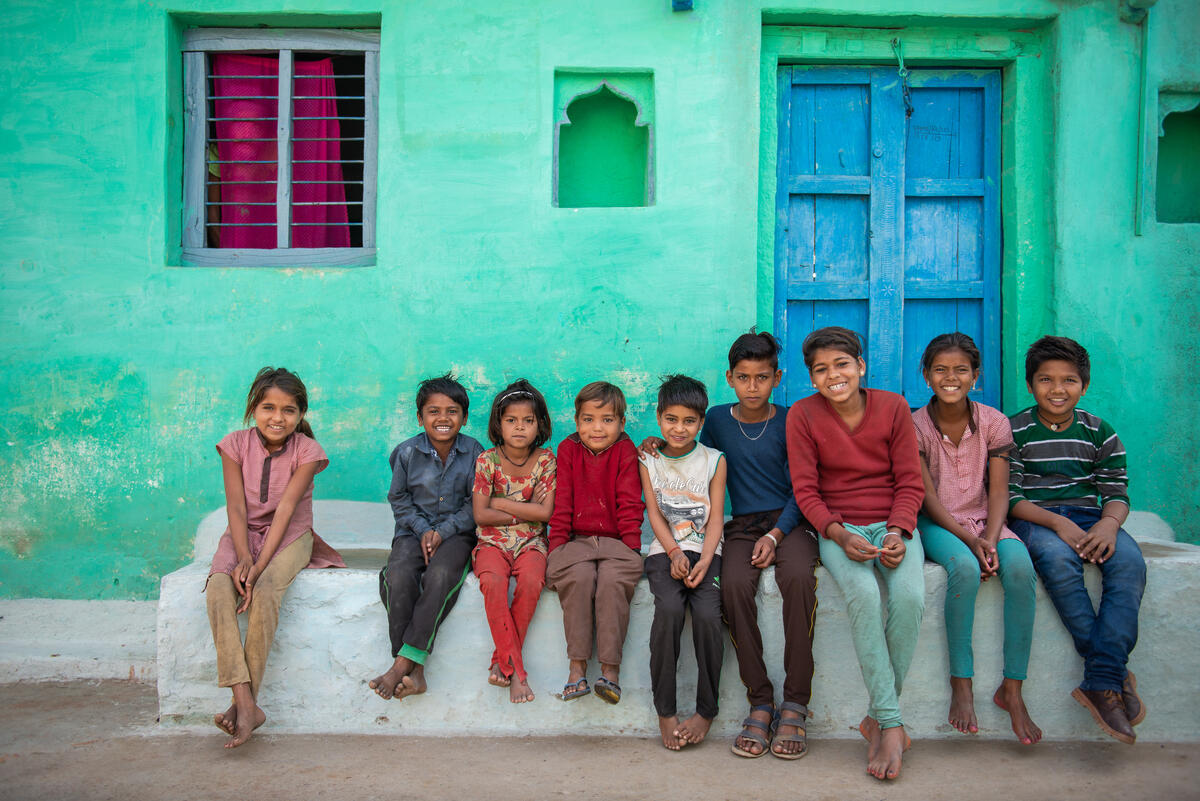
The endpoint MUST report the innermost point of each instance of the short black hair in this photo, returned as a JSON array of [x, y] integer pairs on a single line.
[[443, 385], [955, 341], [520, 391], [832, 337], [760, 347], [680, 390], [1065, 349], [603, 393]]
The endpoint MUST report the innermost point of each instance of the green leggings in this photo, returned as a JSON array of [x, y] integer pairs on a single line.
[[884, 652], [962, 584]]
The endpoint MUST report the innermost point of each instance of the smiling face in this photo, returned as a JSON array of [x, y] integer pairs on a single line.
[[951, 376], [598, 425], [518, 426], [680, 426], [836, 375], [752, 381], [1057, 388], [442, 419], [276, 417]]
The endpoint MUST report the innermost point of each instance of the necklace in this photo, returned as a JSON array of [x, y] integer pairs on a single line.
[[770, 414], [514, 463], [1051, 425]]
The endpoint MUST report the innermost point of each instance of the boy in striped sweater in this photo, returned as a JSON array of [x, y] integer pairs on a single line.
[[1067, 501]]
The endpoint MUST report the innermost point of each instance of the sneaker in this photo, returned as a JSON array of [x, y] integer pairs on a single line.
[[1108, 710]]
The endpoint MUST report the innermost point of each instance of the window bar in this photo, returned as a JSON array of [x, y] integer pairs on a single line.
[[283, 169], [371, 134], [196, 131]]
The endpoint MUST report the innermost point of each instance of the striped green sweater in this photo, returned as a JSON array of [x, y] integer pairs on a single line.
[[1082, 465]]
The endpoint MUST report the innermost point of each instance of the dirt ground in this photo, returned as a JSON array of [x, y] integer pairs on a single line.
[[99, 740]]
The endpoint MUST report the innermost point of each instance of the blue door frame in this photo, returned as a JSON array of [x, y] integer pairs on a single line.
[[887, 224]]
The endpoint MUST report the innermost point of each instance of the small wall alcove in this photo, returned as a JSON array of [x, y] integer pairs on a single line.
[[603, 138], [1177, 194]]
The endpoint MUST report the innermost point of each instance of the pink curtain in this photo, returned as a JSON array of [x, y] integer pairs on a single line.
[[245, 104]]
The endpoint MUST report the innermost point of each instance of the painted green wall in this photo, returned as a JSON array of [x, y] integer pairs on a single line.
[[121, 369]]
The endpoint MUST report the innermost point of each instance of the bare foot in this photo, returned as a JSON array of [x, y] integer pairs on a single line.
[[385, 685], [886, 762], [694, 729], [249, 715], [412, 684], [1008, 697], [668, 728], [226, 721], [519, 692], [869, 729], [962, 706], [496, 678], [754, 747]]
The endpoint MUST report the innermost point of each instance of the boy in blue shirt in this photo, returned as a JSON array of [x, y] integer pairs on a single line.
[[1067, 502], [432, 475], [766, 529]]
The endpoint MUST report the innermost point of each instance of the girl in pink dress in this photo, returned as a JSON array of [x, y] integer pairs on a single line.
[[269, 471]]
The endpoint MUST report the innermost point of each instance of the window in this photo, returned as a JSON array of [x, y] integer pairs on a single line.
[[255, 99]]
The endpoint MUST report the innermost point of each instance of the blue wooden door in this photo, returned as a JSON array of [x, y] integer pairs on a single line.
[[885, 224]]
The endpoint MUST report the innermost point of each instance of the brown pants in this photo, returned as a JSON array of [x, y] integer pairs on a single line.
[[237, 664], [796, 560], [595, 578]]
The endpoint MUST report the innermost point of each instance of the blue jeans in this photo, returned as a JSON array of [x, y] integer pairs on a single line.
[[1103, 638]]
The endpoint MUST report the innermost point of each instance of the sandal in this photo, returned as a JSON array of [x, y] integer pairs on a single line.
[[576, 689], [608, 690], [798, 723], [768, 728]]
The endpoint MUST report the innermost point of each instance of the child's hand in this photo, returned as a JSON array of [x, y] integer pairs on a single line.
[[679, 565], [1069, 533], [1100, 541], [240, 571], [763, 554], [985, 552], [891, 553], [540, 492], [430, 541], [251, 577], [856, 546], [650, 446], [699, 570]]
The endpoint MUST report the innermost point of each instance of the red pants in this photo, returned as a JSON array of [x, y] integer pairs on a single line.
[[494, 567]]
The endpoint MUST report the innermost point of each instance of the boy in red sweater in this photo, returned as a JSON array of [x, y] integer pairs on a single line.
[[852, 453], [595, 537]]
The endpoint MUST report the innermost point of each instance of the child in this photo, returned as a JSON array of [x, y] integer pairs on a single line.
[[432, 474], [857, 477], [1067, 496], [684, 560], [964, 449], [512, 499], [269, 473], [595, 538], [766, 529]]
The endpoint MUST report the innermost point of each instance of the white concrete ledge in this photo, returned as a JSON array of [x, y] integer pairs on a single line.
[[332, 637], [51, 640]]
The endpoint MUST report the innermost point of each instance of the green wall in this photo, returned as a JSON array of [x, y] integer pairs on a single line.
[[121, 369]]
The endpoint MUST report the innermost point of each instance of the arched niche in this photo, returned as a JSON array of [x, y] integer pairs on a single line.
[[604, 146]]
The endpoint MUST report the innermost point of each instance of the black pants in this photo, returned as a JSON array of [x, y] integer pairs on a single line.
[[671, 601], [418, 597]]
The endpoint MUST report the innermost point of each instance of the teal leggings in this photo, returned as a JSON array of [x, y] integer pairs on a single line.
[[962, 584], [884, 652]]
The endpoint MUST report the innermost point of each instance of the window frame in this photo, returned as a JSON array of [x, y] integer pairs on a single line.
[[198, 43]]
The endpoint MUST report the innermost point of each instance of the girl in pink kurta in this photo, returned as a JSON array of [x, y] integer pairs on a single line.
[[268, 473], [964, 449]]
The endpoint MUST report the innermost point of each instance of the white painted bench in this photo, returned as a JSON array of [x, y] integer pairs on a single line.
[[332, 638]]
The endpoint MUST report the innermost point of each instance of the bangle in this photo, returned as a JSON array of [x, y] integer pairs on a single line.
[[772, 536], [671, 552]]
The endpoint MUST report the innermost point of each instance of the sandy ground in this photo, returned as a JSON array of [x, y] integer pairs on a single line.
[[99, 740]]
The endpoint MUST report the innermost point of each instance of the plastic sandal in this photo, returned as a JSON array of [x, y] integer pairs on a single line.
[[609, 691], [768, 728], [801, 737], [576, 689]]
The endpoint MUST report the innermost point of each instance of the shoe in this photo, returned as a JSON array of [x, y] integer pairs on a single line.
[[608, 690], [1108, 709], [1135, 710]]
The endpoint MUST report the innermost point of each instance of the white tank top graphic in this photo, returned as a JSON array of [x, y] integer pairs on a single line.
[[681, 494]]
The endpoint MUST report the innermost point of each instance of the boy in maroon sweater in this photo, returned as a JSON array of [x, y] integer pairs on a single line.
[[596, 538]]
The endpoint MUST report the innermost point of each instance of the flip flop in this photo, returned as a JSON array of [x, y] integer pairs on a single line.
[[801, 737], [576, 689], [767, 727], [609, 691]]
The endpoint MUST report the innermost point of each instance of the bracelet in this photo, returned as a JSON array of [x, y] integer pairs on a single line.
[[671, 552], [772, 536]]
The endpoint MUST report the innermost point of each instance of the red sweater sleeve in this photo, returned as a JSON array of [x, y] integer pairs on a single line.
[[564, 500], [906, 470], [802, 464], [630, 509]]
